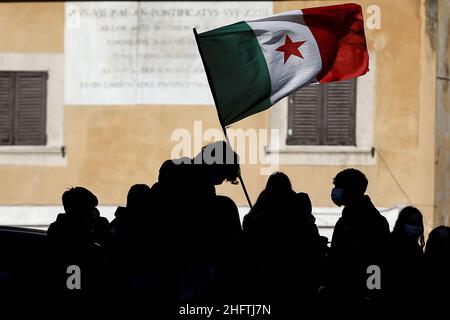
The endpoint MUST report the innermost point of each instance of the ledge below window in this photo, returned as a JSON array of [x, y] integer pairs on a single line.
[[33, 155], [322, 155]]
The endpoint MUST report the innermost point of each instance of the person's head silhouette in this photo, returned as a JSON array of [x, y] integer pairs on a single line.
[[222, 162], [438, 244], [349, 187], [409, 225], [80, 206], [278, 183], [138, 197], [78, 200]]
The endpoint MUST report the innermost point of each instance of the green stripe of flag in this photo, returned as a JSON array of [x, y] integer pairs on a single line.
[[238, 71]]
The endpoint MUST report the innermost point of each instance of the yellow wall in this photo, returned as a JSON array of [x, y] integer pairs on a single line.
[[110, 148], [32, 27]]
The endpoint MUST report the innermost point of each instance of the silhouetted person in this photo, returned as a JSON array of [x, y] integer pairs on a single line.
[[216, 163], [127, 219], [282, 247], [437, 262], [81, 223], [131, 251], [403, 279], [359, 240], [203, 227], [73, 241]]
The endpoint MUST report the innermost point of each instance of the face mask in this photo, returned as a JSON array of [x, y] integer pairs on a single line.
[[336, 196], [413, 231]]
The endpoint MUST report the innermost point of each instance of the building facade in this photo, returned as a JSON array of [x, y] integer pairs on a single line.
[[99, 95]]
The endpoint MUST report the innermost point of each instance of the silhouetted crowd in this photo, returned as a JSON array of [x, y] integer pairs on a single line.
[[178, 243]]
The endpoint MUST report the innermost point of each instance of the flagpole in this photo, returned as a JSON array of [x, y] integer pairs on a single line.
[[211, 86]]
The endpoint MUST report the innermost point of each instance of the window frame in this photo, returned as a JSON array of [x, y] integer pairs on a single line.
[[53, 153], [278, 152], [16, 107]]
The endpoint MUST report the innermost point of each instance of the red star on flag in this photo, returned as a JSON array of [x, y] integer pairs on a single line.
[[290, 48]]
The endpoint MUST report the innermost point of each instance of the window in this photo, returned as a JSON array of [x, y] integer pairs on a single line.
[[315, 146], [323, 114], [23, 103]]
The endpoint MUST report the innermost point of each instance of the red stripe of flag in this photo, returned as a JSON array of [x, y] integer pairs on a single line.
[[339, 32]]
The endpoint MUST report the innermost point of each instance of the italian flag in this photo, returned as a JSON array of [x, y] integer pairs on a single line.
[[253, 64]]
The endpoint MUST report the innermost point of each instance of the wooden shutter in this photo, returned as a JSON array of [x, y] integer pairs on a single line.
[[323, 114], [30, 108], [6, 107], [339, 114], [304, 116]]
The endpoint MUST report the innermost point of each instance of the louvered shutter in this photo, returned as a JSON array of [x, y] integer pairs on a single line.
[[30, 108], [304, 116], [6, 107], [323, 114], [339, 113]]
